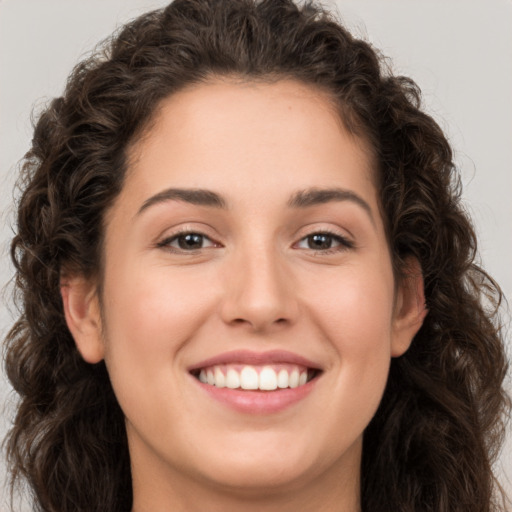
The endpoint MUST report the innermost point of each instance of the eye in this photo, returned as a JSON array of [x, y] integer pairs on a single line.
[[188, 241], [324, 241]]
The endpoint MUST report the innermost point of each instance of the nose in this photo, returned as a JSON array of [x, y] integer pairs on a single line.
[[259, 292]]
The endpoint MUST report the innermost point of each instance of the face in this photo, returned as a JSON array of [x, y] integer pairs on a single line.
[[246, 250]]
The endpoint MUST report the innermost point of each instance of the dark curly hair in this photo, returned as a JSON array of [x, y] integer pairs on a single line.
[[432, 442]]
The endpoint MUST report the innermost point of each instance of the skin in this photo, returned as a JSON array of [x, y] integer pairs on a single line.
[[256, 284]]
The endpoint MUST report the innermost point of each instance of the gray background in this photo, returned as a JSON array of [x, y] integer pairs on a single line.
[[458, 51]]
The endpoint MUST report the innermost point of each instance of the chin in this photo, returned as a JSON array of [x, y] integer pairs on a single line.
[[260, 471], [259, 478]]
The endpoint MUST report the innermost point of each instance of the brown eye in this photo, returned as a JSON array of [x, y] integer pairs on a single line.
[[320, 241], [324, 242], [190, 241], [187, 242]]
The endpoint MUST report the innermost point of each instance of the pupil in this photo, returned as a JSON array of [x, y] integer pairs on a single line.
[[320, 241], [190, 241]]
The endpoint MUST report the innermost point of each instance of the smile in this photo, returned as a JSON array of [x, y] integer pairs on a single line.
[[256, 383], [256, 377]]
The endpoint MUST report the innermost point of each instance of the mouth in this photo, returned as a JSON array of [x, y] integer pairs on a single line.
[[257, 382], [252, 377]]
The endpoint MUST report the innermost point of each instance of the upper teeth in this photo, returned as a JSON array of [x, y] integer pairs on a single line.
[[264, 378]]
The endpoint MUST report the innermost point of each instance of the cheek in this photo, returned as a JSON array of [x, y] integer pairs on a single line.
[[356, 308], [152, 311], [151, 314], [354, 313]]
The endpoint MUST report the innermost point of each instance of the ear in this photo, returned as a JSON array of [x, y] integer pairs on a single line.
[[410, 309], [82, 312]]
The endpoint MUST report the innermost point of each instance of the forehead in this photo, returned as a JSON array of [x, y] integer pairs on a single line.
[[228, 133]]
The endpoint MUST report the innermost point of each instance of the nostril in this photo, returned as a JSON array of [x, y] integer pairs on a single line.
[[242, 321]]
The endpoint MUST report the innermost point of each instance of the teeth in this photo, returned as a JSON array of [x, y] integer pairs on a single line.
[[220, 380], [282, 379], [293, 380], [232, 379], [249, 378], [268, 379], [265, 378]]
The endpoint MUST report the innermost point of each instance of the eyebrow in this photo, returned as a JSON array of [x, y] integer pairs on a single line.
[[195, 196], [300, 199], [315, 196]]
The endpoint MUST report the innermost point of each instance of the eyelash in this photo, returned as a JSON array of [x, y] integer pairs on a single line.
[[166, 242], [344, 243]]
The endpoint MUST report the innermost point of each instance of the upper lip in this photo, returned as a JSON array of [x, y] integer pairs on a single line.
[[256, 358]]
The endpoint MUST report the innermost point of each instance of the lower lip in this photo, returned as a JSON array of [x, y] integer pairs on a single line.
[[258, 402]]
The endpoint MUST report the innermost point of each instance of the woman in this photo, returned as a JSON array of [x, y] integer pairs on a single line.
[[248, 282]]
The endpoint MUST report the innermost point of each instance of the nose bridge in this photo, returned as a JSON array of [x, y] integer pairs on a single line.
[[259, 287]]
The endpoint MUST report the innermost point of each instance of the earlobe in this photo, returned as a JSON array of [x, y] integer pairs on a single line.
[[410, 309], [82, 312]]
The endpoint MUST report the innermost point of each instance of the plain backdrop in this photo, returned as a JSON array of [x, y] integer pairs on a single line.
[[458, 51]]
